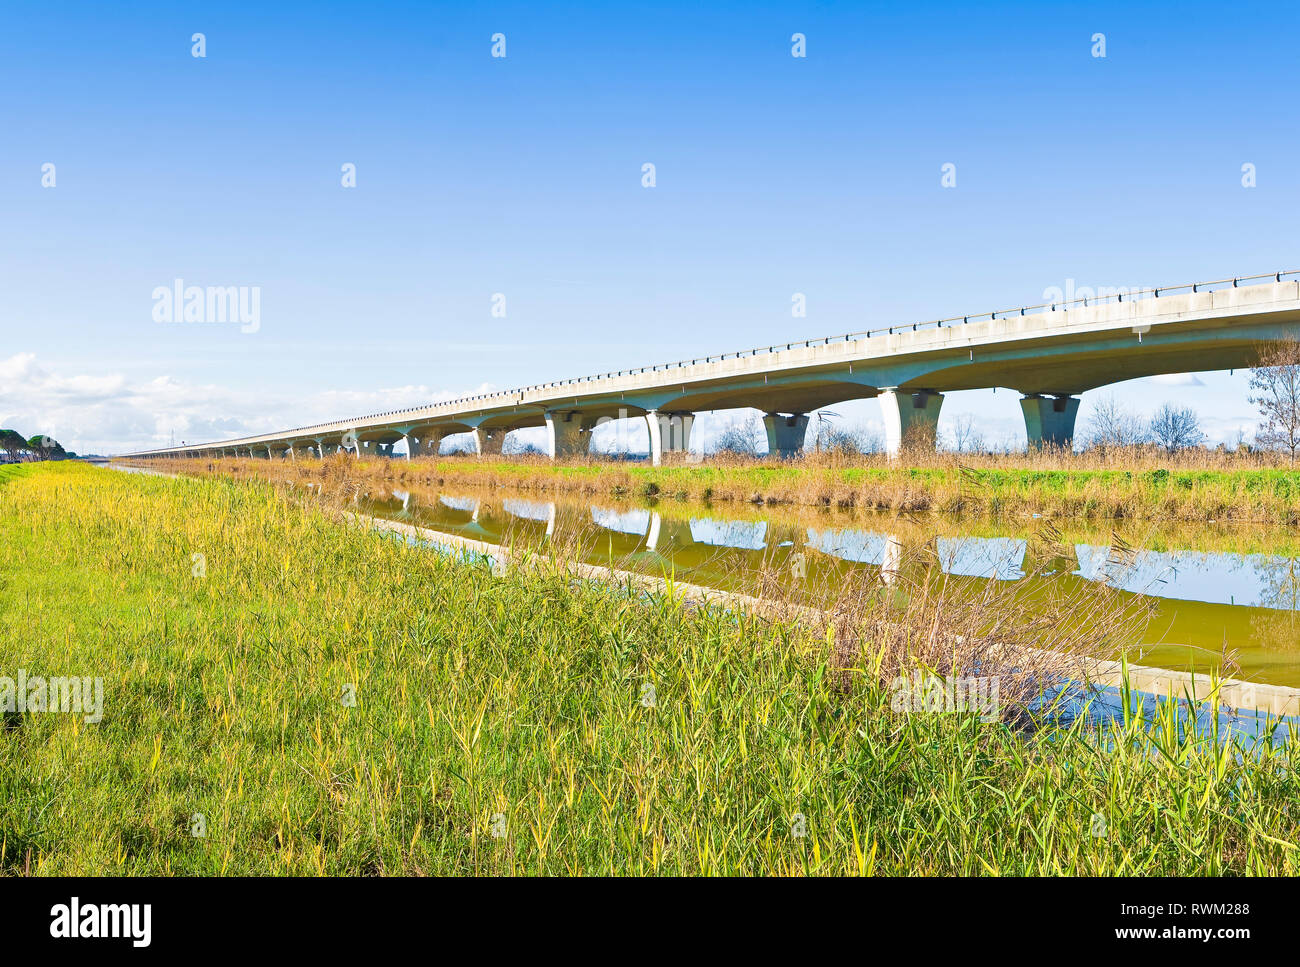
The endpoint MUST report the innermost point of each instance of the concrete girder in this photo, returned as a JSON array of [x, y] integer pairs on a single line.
[[514, 419], [789, 393], [1071, 364]]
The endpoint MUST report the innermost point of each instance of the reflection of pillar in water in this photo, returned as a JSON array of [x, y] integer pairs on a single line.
[[550, 519], [652, 535], [462, 504], [892, 561], [405, 497]]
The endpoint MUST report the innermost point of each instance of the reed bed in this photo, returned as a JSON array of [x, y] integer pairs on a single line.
[[333, 701], [1136, 484]]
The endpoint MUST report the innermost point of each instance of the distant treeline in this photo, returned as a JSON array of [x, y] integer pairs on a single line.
[[16, 448]]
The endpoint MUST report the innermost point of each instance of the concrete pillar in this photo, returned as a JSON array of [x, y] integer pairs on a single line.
[[785, 433], [569, 432], [385, 449], [907, 414], [1049, 421], [656, 437], [487, 443], [669, 433], [425, 445]]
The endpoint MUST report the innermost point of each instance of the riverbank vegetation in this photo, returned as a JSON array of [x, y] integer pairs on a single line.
[[288, 693], [1132, 484]]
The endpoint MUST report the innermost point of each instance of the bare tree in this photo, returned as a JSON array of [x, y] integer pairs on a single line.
[[842, 438], [743, 437], [1111, 424], [1275, 389], [965, 437], [1176, 428]]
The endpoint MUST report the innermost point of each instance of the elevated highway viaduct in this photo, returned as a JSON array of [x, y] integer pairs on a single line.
[[1049, 354]]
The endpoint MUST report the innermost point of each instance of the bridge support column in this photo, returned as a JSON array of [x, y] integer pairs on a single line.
[[669, 433], [569, 432], [785, 434], [913, 415], [385, 449], [1049, 420], [487, 443], [425, 445]]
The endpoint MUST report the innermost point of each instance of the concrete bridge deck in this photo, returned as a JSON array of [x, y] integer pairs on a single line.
[[1048, 353]]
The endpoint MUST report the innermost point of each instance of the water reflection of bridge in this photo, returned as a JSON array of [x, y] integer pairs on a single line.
[[733, 546]]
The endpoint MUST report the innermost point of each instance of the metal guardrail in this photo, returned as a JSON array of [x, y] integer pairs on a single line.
[[1083, 302]]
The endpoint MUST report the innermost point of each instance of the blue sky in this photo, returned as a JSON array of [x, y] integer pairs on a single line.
[[522, 175]]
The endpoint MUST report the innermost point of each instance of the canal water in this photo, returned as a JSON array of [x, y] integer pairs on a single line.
[[1210, 589]]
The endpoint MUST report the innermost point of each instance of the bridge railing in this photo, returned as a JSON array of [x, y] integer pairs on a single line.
[[1117, 294]]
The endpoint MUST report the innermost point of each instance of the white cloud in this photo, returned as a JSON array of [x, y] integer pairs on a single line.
[[1178, 379], [109, 413]]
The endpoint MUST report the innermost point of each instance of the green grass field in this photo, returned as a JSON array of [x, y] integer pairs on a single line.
[[317, 699]]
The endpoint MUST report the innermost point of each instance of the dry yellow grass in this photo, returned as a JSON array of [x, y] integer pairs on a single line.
[[1130, 483]]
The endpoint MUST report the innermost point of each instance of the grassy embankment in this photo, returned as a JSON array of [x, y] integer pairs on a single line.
[[518, 705], [1056, 486]]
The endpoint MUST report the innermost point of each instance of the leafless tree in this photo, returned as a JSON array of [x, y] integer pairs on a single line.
[[841, 438], [1275, 389], [744, 437], [1111, 424], [1176, 428], [964, 436]]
